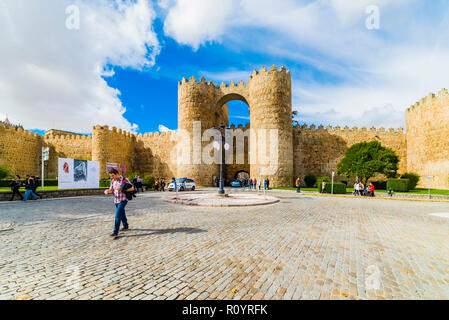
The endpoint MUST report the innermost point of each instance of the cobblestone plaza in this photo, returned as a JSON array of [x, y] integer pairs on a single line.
[[305, 247]]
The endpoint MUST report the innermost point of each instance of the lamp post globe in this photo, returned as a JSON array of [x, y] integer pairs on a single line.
[[221, 190]]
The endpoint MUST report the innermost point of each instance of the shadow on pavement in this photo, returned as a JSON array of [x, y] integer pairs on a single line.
[[153, 232]]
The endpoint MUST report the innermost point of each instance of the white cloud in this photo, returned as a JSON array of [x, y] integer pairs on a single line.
[[52, 76], [163, 128], [194, 22], [367, 77]]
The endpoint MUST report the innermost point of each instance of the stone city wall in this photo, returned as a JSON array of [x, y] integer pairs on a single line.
[[20, 151], [73, 146], [155, 153], [114, 146], [319, 150], [428, 139]]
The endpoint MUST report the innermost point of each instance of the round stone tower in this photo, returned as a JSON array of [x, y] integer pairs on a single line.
[[270, 101], [196, 113], [100, 146]]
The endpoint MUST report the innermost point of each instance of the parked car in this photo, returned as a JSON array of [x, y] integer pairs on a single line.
[[236, 184], [183, 184]]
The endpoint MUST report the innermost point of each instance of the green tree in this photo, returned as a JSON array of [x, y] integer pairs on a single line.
[[368, 159], [4, 172], [294, 117]]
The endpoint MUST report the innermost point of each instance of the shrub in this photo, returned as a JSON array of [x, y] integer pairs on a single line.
[[4, 172], [148, 181], [320, 182], [413, 179], [47, 182], [339, 188], [133, 174], [344, 182], [105, 183], [398, 185], [380, 185], [310, 180]]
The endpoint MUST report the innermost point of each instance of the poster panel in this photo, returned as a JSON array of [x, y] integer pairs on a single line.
[[78, 174]]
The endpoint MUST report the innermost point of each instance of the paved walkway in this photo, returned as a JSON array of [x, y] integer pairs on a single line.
[[301, 248]]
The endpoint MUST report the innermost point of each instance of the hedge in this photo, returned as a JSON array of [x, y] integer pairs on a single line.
[[339, 188], [320, 182], [413, 179], [380, 185], [310, 181], [398, 185], [47, 182], [104, 183]]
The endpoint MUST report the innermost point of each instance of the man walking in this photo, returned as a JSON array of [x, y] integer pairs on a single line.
[[36, 183], [139, 183], [118, 182], [298, 185], [29, 185], [15, 186]]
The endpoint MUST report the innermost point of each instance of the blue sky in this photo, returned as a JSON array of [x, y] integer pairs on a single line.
[[121, 66]]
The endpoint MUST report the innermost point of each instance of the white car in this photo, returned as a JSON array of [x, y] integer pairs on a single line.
[[183, 184]]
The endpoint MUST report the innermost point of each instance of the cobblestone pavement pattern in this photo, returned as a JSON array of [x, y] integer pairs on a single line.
[[301, 248]]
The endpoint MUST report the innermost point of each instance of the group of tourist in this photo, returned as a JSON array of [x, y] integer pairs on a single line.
[[364, 191], [138, 183], [31, 183], [160, 184], [256, 184]]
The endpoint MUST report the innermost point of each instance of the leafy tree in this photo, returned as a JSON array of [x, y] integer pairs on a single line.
[[149, 181], [368, 159], [4, 172], [413, 179], [294, 116], [133, 174]]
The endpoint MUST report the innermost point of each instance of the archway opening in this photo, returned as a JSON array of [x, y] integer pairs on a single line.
[[236, 115], [241, 175]]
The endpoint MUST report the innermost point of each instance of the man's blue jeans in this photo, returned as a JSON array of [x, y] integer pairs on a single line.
[[120, 216], [28, 193]]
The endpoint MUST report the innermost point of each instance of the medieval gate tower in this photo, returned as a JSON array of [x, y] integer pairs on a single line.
[[268, 95]]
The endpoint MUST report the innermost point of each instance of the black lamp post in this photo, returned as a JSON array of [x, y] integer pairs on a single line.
[[221, 190]]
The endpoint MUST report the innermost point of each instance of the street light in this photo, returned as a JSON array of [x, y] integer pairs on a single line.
[[332, 185], [221, 190], [429, 178]]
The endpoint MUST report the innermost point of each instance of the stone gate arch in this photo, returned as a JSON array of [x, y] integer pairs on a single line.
[[268, 95]]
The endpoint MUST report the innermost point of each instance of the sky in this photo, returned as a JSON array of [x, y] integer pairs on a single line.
[[355, 63]]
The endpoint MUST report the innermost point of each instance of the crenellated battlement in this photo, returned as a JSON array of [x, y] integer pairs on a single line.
[[263, 71], [348, 130], [18, 131], [156, 135], [430, 99], [119, 132], [192, 82], [52, 137]]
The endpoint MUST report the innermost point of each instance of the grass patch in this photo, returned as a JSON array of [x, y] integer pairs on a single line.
[[294, 189], [435, 192], [48, 188]]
